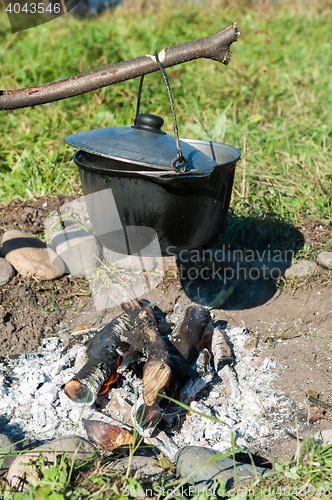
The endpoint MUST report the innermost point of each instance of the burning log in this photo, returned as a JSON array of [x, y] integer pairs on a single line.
[[196, 384], [170, 358], [147, 339], [106, 435], [223, 360], [188, 336], [156, 375], [134, 335], [101, 367], [182, 346]]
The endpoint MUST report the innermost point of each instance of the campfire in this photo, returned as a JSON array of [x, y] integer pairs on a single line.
[[128, 373], [175, 362]]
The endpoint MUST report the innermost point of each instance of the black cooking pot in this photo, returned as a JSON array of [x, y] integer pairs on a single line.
[[130, 168]]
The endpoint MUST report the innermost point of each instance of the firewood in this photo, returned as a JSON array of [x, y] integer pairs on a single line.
[[102, 364], [188, 335], [169, 365], [146, 337], [106, 435], [136, 328], [147, 417], [156, 374], [223, 352]]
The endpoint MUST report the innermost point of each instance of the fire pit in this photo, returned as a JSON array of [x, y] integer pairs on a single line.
[[221, 380]]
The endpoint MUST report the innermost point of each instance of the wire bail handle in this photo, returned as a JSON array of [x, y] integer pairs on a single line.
[[179, 157]]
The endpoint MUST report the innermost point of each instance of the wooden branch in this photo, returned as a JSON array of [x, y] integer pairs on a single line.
[[147, 339], [214, 47], [156, 376], [102, 364], [223, 352]]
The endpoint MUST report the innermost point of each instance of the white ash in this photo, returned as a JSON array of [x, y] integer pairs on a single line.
[[33, 402], [243, 399]]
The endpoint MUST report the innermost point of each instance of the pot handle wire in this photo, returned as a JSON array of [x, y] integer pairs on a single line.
[[179, 157]]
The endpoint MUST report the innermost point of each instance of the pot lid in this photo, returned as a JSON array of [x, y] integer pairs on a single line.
[[144, 144]]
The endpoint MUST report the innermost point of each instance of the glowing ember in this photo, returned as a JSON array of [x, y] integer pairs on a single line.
[[114, 378]]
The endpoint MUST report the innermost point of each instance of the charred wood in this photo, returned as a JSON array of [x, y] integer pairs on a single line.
[[106, 435], [188, 335], [102, 364]]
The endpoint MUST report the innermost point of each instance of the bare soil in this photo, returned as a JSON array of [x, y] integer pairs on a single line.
[[293, 324]]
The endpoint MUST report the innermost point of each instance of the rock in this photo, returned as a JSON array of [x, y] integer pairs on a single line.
[[30, 256], [8, 450], [145, 469], [76, 211], [7, 272], [324, 259], [323, 437], [301, 269], [190, 458], [14, 239], [77, 448], [129, 262], [78, 249]]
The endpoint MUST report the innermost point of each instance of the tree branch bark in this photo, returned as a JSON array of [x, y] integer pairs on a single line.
[[215, 47]]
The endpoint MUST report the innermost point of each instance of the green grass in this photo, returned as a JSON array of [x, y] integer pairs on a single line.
[[272, 101], [309, 475]]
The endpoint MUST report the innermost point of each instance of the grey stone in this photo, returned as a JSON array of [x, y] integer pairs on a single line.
[[129, 262], [7, 272], [323, 437], [75, 211], [20, 474], [301, 269], [145, 469], [189, 458], [324, 259], [78, 249], [8, 449], [30, 256]]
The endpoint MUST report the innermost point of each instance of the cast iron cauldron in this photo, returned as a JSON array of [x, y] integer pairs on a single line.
[[186, 208]]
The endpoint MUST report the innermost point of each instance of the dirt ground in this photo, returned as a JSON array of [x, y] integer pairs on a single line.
[[294, 325]]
